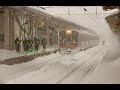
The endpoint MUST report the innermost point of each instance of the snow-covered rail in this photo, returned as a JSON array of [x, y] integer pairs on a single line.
[[18, 70], [57, 70], [78, 74]]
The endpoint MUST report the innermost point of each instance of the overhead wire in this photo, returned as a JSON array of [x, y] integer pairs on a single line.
[[101, 22], [98, 19], [88, 15], [96, 15], [68, 7], [85, 10]]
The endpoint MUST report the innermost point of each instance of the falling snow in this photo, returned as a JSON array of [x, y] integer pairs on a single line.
[[97, 65]]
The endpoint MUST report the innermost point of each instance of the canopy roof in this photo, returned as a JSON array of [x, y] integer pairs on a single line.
[[40, 11]]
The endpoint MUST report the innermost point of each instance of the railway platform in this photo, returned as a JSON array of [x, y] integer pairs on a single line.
[[27, 57]]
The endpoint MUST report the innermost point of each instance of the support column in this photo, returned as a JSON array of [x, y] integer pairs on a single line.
[[1, 30], [47, 27], [6, 29], [58, 34], [11, 31]]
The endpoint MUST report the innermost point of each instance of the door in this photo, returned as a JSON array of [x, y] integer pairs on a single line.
[[69, 40]]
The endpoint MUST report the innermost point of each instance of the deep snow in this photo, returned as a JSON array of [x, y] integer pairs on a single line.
[[105, 73], [54, 72], [14, 71], [5, 54]]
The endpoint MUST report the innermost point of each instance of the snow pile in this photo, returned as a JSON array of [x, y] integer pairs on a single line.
[[105, 74], [5, 54], [14, 71]]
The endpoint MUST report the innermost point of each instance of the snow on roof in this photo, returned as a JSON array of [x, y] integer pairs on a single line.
[[48, 14], [114, 13]]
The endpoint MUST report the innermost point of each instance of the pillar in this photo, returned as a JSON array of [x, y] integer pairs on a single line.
[[1, 30], [47, 27], [11, 31], [8, 30]]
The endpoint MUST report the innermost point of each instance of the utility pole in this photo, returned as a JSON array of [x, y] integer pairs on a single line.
[[68, 11], [96, 11]]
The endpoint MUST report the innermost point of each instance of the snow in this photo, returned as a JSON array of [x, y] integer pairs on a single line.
[[55, 67], [14, 71], [5, 54], [105, 74], [84, 69], [56, 71]]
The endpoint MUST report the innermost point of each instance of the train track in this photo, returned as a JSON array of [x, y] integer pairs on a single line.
[[90, 69], [41, 65], [49, 62], [78, 67]]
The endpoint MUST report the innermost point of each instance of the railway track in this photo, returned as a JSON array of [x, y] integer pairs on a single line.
[[50, 62], [78, 69], [38, 66]]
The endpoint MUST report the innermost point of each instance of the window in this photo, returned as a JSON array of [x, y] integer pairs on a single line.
[[62, 36]]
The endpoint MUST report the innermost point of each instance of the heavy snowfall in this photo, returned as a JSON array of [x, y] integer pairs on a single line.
[[97, 65]]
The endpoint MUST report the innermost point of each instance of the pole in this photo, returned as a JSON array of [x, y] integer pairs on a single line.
[[96, 11]]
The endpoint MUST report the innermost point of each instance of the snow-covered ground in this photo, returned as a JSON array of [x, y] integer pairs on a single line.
[[62, 69], [14, 71], [108, 73], [85, 69], [53, 72], [5, 54]]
